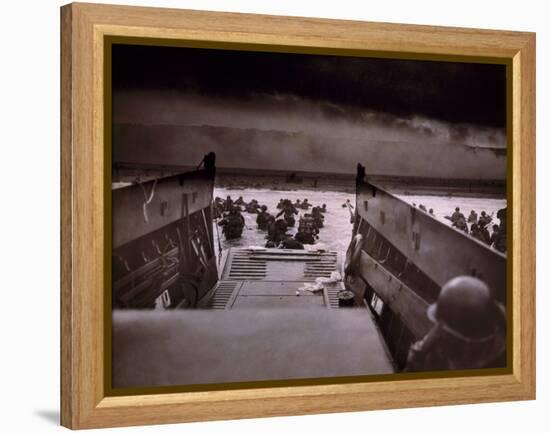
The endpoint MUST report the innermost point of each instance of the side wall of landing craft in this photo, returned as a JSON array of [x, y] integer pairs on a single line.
[[406, 257], [436, 249], [163, 241], [134, 216]]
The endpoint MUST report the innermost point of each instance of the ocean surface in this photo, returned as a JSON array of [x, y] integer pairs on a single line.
[[336, 233]]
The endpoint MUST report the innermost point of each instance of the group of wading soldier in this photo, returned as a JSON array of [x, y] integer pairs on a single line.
[[229, 211], [309, 224], [479, 227]]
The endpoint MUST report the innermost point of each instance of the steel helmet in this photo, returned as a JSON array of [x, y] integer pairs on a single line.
[[466, 309]]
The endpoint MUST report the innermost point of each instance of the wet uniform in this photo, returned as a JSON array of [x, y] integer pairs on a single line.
[[233, 225], [288, 211], [263, 220], [305, 205], [276, 232]]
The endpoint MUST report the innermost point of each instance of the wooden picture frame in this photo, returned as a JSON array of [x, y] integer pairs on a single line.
[[85, 162]]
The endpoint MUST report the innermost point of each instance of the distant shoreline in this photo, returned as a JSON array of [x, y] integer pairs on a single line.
[[288, 181]]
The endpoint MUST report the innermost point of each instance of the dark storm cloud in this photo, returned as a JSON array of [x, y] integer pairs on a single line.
[[454, 92], [308, 113]]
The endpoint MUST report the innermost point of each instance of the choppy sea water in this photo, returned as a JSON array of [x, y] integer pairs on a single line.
[[336, 233]]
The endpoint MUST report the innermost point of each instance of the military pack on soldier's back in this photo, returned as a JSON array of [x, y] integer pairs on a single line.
[[309, 220]]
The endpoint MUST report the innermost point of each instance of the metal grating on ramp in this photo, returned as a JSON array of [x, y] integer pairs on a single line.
[[322, 266], [223, 295], [279, 265], [244, 266], [331, 296]]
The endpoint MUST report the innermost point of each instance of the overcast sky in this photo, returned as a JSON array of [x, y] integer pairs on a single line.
[[308, 112]]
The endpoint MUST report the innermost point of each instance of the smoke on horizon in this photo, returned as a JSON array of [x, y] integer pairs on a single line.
[[287, 132]]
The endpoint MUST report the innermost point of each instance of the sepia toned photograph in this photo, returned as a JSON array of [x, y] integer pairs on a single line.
[[286, 217]]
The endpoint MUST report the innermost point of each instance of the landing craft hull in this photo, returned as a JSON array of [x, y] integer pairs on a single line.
[[257, 324], [407, 256], [163, 247]]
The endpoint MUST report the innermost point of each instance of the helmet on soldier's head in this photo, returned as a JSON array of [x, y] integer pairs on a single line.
[[466, 309], [264, 207]]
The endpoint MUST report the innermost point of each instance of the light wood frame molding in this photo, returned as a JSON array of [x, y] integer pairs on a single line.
[[84, 403]]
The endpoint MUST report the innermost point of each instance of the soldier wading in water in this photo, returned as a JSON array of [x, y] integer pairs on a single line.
[[233, 224], [263, 218], [288, 211]]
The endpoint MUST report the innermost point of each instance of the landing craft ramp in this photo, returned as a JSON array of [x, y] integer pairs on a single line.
[[252, 327], [269, 278]]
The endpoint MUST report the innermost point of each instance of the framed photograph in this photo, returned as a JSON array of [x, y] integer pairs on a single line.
[[266, 215]]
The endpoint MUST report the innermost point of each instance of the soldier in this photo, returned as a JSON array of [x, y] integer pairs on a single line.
[[457, 215], [233, 224], [323, 208], [276, 231], [217, 208], [308, 220], [485, 236], [469, 330], [305, 204], [476, 232], [500, 242], [461, 225], [288, 210], [292, 244], [485, 218], [348, 204], [228, 205], [253, 206], [305, 233], [472, 218], [263, 218], [318, 217]]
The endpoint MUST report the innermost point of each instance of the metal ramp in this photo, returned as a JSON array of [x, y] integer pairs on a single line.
[[272, 278], [261, 330]]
